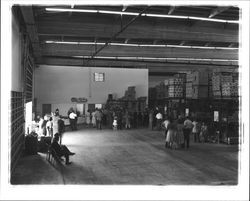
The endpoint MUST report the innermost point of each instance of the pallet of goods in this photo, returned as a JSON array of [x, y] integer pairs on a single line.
[[152, 93], [197, 85], [198, 77], [189, 89], [130, 93], [161, 91], [224, 84], [175, 86], [199, 91]]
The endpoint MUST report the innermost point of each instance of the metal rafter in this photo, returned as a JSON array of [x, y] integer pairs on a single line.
[[171, 10], [218, 10], [118, 33]]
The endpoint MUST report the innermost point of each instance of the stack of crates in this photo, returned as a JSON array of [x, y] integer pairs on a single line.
[[175, 86], [152, 93], [222, 84], [235, 86], [161, 91], [197, 84], [130, 93]]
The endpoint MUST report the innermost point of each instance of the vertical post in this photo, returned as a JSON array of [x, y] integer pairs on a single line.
[[90, 79]]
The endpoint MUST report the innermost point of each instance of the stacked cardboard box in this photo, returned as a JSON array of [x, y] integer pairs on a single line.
[[152, 93], [130, 93], [199, 91], [175, 86], [197, 84], [223, 85], [189, 89], [161, 91], [235, 86], [226, 89], [175, 91], [198, 77]]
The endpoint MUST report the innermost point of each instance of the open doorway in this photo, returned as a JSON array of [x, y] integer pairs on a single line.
[[28, 117]]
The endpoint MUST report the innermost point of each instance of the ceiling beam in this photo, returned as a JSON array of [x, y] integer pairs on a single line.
[[143, 29], [152, 66], [217, 11], [87, 50], [123, 28], [31, 28]]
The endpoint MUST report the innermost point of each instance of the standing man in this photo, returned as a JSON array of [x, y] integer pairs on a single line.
[[158, 120], [72, 120], [98, 117], [188, 125], [151, 119]]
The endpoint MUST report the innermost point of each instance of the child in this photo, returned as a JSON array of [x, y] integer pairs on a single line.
[[49, 127], [115, 123]]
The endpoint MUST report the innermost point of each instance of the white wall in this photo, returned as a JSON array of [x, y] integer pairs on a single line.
[[16, 70], [56, 85]]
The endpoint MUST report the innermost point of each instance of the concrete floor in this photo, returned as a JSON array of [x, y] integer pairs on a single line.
[[132, 157]]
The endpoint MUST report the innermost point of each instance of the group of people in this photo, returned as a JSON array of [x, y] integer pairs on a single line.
[[53, 127], [94, 118], [116, 119], [177, 133], [50, 125]]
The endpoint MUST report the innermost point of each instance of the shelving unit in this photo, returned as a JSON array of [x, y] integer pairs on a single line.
[[17, 125]]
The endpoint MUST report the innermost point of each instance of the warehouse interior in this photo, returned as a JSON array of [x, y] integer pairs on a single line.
[[181, 60]]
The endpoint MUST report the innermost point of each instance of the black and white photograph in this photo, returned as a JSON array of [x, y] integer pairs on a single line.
[[124, 100]]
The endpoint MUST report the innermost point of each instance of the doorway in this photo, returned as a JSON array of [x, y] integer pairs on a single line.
[[28, 117]]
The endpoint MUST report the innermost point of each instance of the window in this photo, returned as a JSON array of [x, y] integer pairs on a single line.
[[99, 77]]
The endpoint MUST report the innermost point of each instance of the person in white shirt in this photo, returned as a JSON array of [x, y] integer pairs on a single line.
[[72, 119], [165, 125], [158, 120]]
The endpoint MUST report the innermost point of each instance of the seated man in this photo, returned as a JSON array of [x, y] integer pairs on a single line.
[[61, 150]]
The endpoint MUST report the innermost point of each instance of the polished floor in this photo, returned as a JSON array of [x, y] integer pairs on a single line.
[[131, 157]]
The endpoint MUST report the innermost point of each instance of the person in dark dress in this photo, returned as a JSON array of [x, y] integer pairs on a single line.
[[61, 150]]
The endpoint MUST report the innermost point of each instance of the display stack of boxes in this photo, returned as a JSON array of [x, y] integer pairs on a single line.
[[225, 84], [197, 84], [152, 93], [235, 85], [130, 93], [175, 86], [161, 91]]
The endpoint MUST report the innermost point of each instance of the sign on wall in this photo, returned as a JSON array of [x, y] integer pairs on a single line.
[[79, 100]]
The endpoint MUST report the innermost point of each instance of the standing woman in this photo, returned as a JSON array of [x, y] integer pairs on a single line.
[[88, 118], [93, 119], [170, 135], [55, 118], [179, 133], [150, 120]]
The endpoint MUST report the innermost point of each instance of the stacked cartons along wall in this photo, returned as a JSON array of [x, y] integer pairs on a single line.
[[176, 86], [225, 84], [197, 84]]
